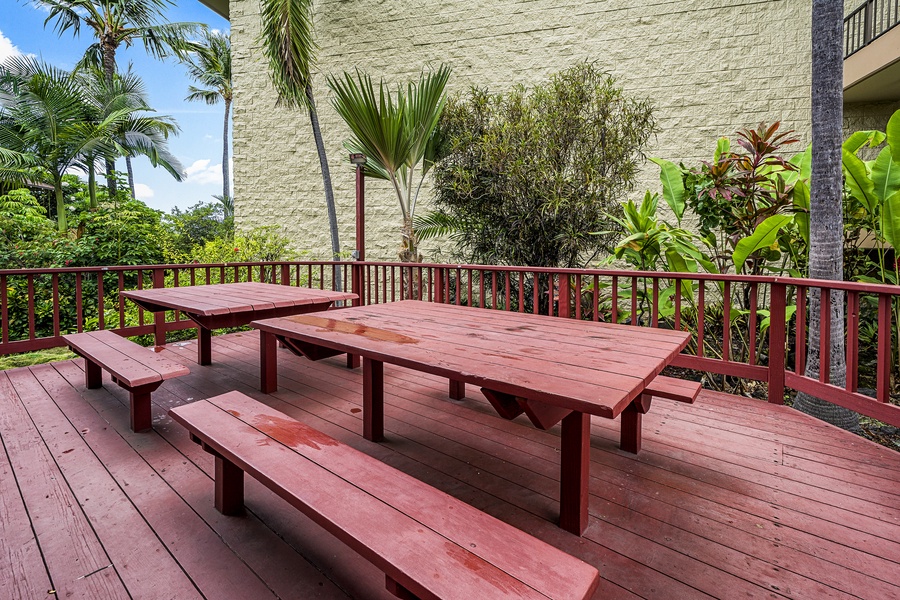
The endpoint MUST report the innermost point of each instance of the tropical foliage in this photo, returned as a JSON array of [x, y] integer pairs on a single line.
[[396, 133]]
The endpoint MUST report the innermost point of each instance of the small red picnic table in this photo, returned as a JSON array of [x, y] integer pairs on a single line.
[[551, 369], [232, 305]]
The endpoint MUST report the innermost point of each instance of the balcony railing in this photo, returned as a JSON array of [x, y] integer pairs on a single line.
[[752, 328], [870, 20]]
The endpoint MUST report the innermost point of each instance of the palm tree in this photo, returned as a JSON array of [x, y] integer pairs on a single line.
[[42, 122], [210, 66], [117, 22], [826, 259], [395, 134], [290, 49], [141, 133]]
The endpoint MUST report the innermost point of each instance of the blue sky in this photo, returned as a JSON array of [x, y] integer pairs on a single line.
[[198, 147]]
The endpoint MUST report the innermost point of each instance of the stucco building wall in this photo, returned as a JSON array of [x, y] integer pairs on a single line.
[[708, 66]]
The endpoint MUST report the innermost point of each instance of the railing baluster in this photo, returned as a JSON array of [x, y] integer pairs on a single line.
[[701, 317], [852, 341], [494, 290], [635, 320], [595, 300], [754, 292], [506, 283], [677, 294], [101, 313], [56, 308], [726, 323], [536, 293], [800, 357], [615, 299], [824, 335], [654, 309], [577, 296], [883, 372], [4, 310]]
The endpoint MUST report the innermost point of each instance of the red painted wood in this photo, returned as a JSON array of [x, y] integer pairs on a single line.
[[141, 419], [457, 389], [777, 342], [268, 362], [506, 405], [701, 318], [69, 546], [671, 388], [800, 339], [55, 295], [541, 415], [852, 341], [380, 504], [824, 336], [93, 375], [130, 363], [575, 472], [883, 373], [229, 494], [631, 429], [726, 322], [373, 399]]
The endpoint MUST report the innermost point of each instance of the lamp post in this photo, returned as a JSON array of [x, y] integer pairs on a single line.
[[360, 253], [360, 160]]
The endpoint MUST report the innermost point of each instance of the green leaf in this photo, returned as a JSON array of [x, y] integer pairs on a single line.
[[765, 235], [885, 175], [890, 221], [893, 135], [859, 139], [673, 185], [723, 146], [857, 179], [803, 162], [801, 202]]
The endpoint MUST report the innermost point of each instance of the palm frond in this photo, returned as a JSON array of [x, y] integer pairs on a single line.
[[289, 48], [436, 224]]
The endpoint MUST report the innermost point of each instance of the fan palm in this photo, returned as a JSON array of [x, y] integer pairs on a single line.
[[396, 133], [290, 51], [117, 22], [141, 133], [42, 122], [210, 66]]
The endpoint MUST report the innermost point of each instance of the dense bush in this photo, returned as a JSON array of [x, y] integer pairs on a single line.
[[525, 177]]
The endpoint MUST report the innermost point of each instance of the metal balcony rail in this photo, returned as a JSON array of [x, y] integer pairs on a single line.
[[753, 328], [866, 23]]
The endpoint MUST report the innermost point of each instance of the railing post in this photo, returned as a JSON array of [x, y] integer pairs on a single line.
[[777, 341], [565, 294], [285, 274], [438, 293], [869, 22], [159, 318]]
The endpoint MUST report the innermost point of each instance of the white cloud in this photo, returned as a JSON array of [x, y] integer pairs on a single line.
[[203, 173], [7, 48], [143, 191]]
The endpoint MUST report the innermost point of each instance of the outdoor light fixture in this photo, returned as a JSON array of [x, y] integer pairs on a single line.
[[358, 159]]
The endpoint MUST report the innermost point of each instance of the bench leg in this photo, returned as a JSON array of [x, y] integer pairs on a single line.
[[204, 346], [398, 590], [457, 389], [268, 363], [141, 418], [373, 399], [632, 416], [575, 471], [229, 488], [353, 361], [93, 375]]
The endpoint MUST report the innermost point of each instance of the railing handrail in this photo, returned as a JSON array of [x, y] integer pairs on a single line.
[[869, 21]]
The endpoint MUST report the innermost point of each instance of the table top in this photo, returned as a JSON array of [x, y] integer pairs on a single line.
[[229, 298], [595, 368]]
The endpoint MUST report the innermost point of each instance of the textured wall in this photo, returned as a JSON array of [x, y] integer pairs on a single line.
[[709, 67]]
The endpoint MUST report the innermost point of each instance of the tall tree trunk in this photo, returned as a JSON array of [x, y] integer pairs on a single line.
[[130, 177], [108, 58], [326, 180], [92, 183], [226, 170], [826, 257], [61, 221]]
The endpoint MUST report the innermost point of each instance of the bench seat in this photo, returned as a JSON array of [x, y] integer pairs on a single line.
[[428, 543], [672, 388], [137, 369]]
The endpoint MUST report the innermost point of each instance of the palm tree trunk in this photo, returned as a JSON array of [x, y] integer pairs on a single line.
[[130, 177], [226, 171], [826, 258], [61, 222], [108, 58], [92, 183], [326, 180]]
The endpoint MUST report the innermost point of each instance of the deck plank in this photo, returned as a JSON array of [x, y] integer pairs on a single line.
[[77, 564]]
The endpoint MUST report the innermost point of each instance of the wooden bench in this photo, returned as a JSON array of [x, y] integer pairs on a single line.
[[428, 544], [137, 369], [670, 388]]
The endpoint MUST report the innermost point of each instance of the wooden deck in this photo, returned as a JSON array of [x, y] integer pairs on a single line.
[[729, 498]]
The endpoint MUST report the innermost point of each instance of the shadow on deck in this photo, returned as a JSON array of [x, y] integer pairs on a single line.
[[729, 498]]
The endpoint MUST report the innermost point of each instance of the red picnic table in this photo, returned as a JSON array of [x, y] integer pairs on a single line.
[[232, 305], [551, 369]]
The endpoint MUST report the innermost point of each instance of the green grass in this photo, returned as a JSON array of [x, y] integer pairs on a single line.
[[34, 358]]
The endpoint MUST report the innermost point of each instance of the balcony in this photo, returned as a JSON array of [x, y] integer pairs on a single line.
[[872, 52]]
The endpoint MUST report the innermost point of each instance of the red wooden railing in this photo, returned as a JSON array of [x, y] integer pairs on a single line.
[[764, 339]]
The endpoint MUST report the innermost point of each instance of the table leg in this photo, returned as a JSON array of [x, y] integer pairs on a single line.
[[373, 399], [631, 424], [268, 363], [204, 346], [457, 389], [93, 375], [575, 472]]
